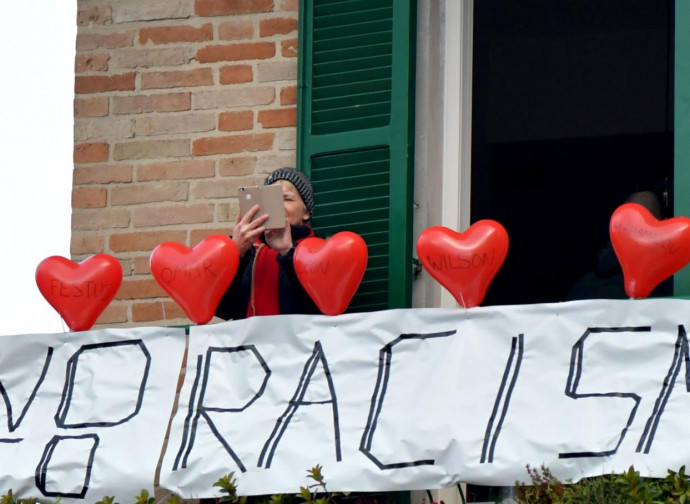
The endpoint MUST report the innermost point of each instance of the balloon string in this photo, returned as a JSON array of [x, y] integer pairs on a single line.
[[165, 319], [62, 320]]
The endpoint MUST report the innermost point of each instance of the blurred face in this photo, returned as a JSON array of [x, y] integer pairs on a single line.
[[295, 210]]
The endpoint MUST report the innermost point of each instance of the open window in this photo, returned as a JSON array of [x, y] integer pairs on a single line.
[[572, 112]]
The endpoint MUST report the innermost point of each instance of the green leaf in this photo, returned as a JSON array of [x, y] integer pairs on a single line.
[[143, 498], [305, 494], [315, 473], [8, 498], [173, 499], [228, 486]]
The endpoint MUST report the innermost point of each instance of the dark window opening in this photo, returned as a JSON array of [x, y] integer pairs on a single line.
[[572, 113]]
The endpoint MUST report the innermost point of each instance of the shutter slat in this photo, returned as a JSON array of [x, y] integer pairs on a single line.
[[326, 117], [326, 128], [336, 220], [349, 77], [352, 88], [352, 25], [362, 228], [350, 42], [337, 55], [336, 207], [337, 184], [324, 9], [352, 64]]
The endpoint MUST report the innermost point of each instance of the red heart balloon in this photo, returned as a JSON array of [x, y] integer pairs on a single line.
[[331, 270], [196, 278], [79, 292], [648, 249], [464, 263]]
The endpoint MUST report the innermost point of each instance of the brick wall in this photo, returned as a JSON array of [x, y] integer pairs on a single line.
[[177, 104]]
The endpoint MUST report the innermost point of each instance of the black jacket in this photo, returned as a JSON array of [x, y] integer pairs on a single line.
[[293, 298]]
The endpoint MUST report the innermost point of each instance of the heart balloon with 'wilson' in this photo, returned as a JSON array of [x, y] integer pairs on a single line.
[[196, 278], [79, 292], [464, 263], [649, 250], [331, 270]]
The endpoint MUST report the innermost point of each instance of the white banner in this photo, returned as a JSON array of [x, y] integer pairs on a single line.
[[425, 398], [393, 400], [84, 414]]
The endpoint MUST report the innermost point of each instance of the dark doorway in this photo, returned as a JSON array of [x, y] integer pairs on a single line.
[[572, 112]]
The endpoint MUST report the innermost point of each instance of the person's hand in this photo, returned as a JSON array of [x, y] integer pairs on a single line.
[[247, 229], [280, 239]]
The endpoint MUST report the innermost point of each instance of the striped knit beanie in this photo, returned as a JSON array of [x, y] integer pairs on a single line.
[[299, 180]]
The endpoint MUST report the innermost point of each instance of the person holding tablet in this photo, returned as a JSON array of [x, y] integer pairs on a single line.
[[265, 282]]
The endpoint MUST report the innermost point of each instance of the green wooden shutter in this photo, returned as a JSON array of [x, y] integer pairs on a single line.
[[356, 132], [681, 129]]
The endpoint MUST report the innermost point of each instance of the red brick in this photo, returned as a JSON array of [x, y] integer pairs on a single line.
[[126, 266], [173, 214], [113, 314], [224, 188], [103, 218], [271, 161], [151, 149], [236, 30], [236, 52], [144, 240], [125, 11], [102, 174], [91, 41], [277, 26], [244, 97], [236, 74], [173, 311], [288, 48], [103, 128], [183, 123], [151, 312], [148, 312], [89, 197], [227, 212], [149, 193], [151, 103], [231, 7], [171, 34], [280, 70], [286, 139], [231, 144], [91, 107], [279, 118], [289, 5], [141, 265], [177, 78], [236, 121], [288, 95], [139, 289], [234, 166], [91, 63], [91, 152], [202, 168], [86, 244], [101, 83], [94, 15], [152, 57], [196, 235]]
